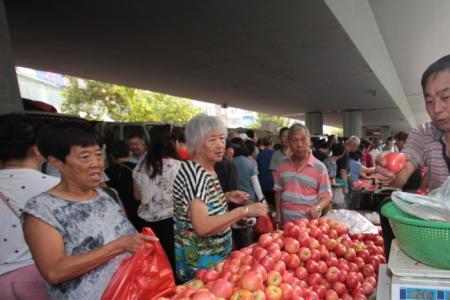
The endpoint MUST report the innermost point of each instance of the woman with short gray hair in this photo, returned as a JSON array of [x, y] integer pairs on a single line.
[[202, 220]]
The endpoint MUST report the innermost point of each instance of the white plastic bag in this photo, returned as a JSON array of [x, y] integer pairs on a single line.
[[338, 197], [356, 222], [435, 206]]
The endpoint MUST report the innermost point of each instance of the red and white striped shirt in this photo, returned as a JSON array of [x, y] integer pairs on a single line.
[[301, 188], [424, 148]]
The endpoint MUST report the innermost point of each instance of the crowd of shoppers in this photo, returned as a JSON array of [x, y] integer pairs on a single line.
[[199, 190]]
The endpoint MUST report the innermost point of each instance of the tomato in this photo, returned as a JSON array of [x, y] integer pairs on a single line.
[[222, 288], [395, 161]]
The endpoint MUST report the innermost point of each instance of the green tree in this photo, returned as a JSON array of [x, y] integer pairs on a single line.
[[262, 117], [99, 100], [333, 130]]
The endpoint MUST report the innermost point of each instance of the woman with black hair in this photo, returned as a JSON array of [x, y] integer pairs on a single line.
[[153, 186], [247, 181], [78, 235], [20, 180], [120, 173]]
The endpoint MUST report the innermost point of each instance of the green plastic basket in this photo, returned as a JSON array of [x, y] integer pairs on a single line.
[[425, 241]]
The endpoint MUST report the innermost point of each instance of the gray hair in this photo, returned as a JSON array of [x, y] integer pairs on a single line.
[[354, 140], [199, 126], [297, 126]]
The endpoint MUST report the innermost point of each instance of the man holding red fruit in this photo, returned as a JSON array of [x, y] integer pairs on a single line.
[[428, 144], [302, 185]]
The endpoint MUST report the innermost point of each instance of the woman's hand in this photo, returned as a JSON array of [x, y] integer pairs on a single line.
[[237, 197], [256, 210], [132, 242]]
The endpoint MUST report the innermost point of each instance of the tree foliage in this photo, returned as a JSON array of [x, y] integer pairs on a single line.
[[98, 100], [333, 130], [262, 117]]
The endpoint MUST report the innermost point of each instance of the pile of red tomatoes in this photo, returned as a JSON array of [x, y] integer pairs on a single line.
[[315, 259]]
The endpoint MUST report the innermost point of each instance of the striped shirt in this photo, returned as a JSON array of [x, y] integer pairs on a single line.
[[423, 148], [301, 188], [191, 251]]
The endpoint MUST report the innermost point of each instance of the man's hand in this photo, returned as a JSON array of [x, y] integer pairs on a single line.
[[237, 197], [382, 174], [315, 212]]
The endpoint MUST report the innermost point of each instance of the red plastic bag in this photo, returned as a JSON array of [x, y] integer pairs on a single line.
[[263, 225], [147, 274]]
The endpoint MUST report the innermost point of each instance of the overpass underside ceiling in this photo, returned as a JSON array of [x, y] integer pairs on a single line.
[[280, 57]]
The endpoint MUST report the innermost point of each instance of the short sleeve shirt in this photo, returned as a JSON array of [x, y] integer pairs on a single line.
[[156, 193], [84, 226], [265, 174], [245, 169], [331, 166], [191, 251], [424, 148], [342, 164], [277, 158], [18, 186], [301, 188], [355, 169]]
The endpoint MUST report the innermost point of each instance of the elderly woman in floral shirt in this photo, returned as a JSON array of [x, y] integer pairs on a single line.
[[202, 219]]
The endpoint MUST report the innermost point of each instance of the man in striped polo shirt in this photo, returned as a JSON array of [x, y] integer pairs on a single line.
[[428, 144], [302, 185]]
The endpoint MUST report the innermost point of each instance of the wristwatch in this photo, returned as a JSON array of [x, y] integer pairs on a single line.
[[319, 210]]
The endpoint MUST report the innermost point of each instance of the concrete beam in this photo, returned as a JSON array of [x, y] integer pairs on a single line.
[[357, 19], [10, 100]]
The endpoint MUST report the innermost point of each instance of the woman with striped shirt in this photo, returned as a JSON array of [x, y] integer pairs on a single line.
[[202, 220]]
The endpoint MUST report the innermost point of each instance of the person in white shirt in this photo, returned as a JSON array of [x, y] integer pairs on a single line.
[[376, 142], [153, 181], [20, 180]]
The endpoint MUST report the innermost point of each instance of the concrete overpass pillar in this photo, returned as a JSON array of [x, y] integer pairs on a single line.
[[352, 123], [314, 122], [10, 100]]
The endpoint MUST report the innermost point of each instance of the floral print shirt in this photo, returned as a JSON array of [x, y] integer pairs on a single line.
[[156, 193], [191, 251]]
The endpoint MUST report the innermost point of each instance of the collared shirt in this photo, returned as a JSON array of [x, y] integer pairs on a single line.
[[423, 148], [301, 188]]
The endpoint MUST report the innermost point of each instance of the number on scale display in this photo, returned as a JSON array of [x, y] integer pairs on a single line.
[[423, 294]]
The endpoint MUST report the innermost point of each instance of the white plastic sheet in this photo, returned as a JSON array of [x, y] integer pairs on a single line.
[[435, 206], [356, 222]]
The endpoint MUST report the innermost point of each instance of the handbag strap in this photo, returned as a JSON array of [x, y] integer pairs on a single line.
[[126, 167], [6, 202]]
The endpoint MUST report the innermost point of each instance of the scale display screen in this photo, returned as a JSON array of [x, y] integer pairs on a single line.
[[424, 294]]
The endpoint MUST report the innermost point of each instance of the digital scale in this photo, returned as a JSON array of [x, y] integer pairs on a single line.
[[407, 279]]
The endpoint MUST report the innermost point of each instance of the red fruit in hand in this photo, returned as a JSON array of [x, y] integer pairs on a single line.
[[395, 161]]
